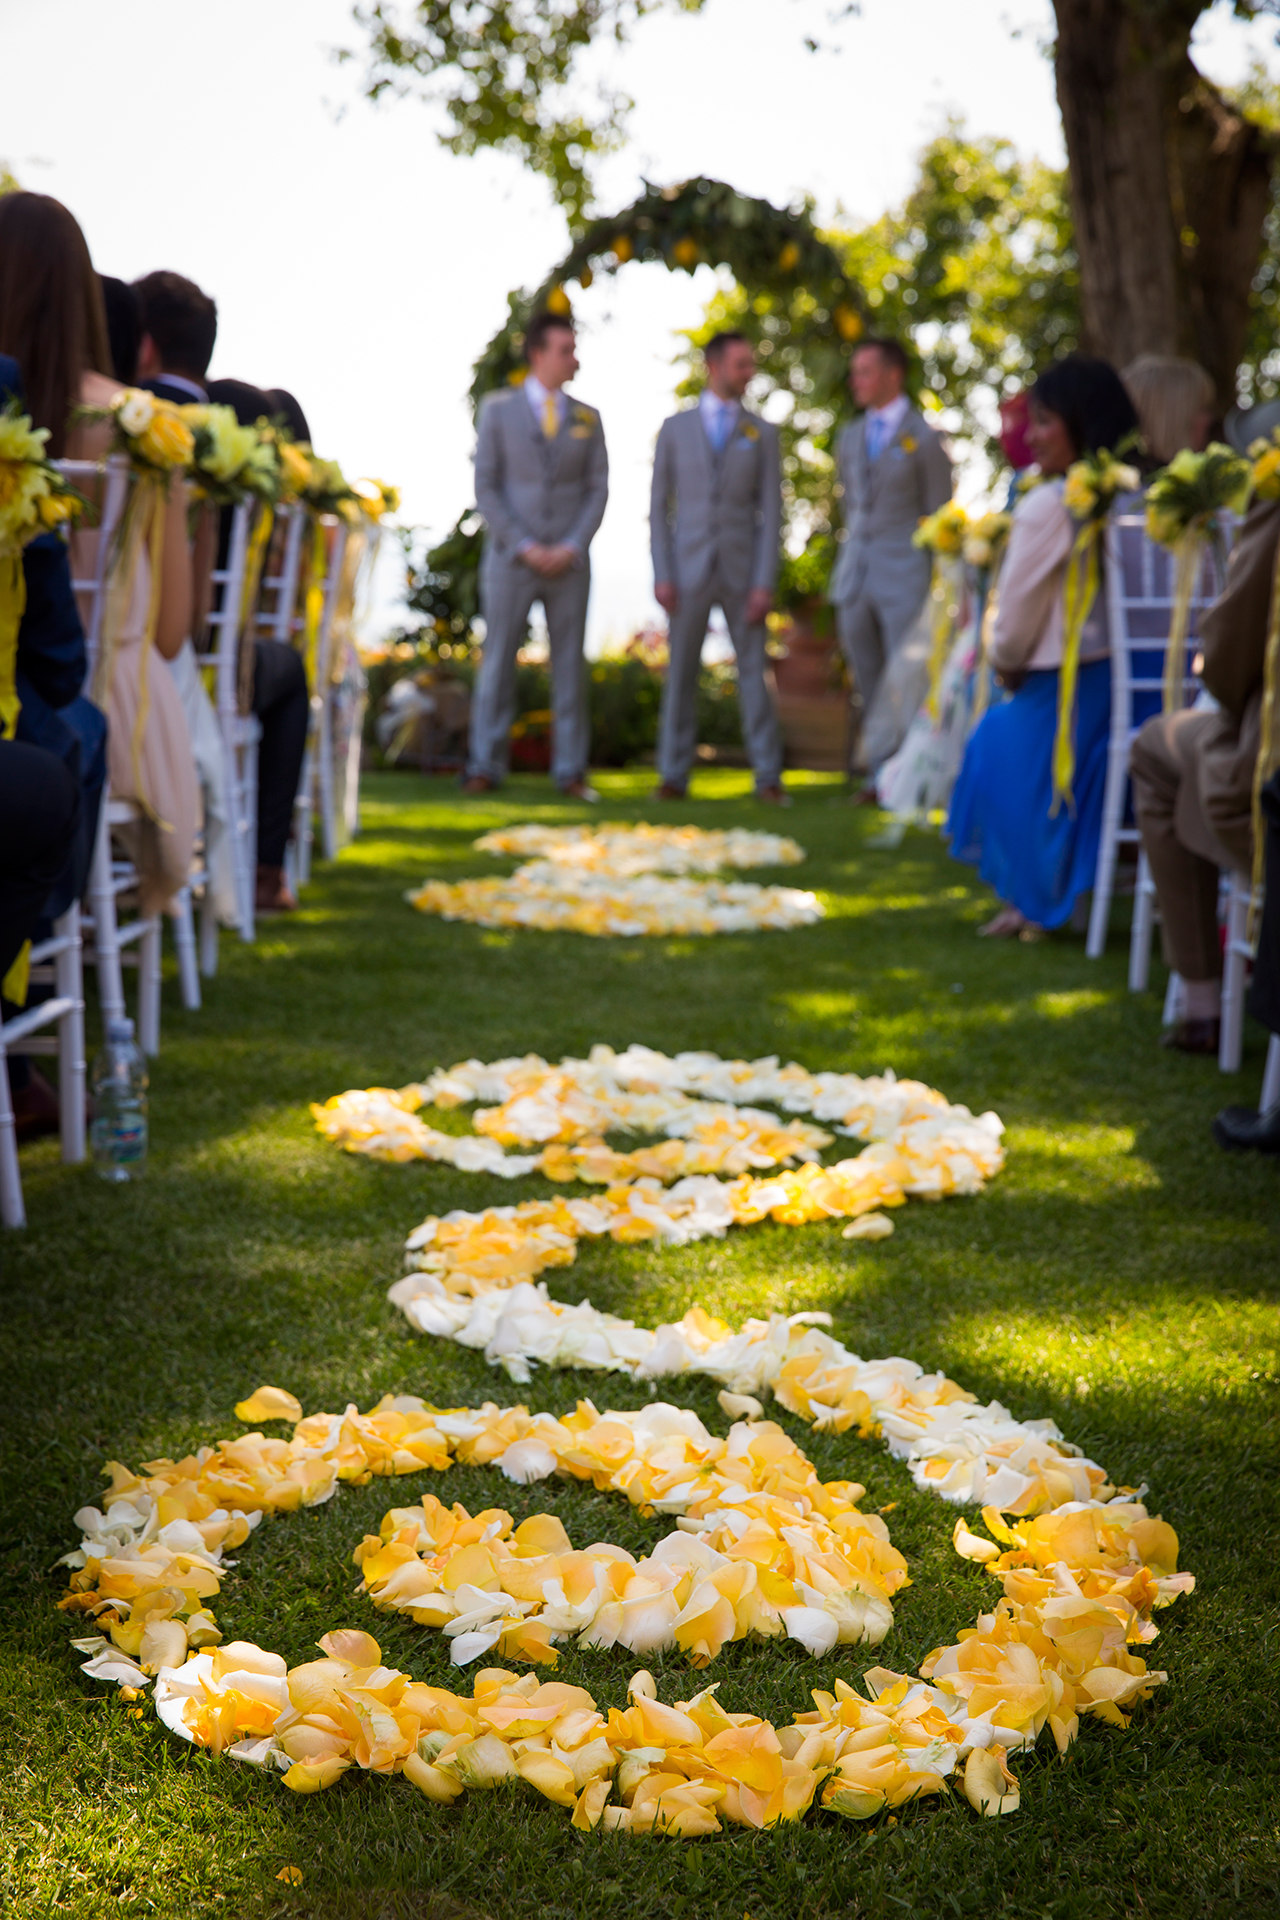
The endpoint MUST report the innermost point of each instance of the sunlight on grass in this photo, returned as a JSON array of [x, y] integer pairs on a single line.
[[1120, 1277], [1061, 1006]]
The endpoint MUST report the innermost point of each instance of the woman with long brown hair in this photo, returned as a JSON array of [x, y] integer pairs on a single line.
[[53, 323]]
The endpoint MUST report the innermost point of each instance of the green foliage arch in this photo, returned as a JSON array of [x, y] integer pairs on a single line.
[[775, 255]]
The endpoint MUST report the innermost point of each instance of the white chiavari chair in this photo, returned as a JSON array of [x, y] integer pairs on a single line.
[[218, 655], [56, 962], [113, 941], [315, 789], [1270, 1095], [1139, 588], [1237, 892]]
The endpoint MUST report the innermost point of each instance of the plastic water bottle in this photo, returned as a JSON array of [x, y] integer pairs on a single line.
[[118, 1133]]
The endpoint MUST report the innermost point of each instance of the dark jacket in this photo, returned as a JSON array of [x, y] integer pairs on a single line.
[[51, 667]]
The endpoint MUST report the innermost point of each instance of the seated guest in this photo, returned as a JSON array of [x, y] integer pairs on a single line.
[[282, 406], [39, 809], [53, 322], [124, 328], [1193, 780], [1038, 861], [180, 325], [54, 716], [1174, 401]]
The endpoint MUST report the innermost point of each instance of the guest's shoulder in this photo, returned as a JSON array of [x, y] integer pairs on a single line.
[[1041, 505]]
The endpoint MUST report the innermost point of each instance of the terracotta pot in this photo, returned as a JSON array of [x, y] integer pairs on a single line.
[[808, 668]]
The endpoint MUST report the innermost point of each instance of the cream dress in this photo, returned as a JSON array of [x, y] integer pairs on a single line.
[[149, 756]]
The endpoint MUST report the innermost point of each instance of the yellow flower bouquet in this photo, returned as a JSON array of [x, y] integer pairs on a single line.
[[1184, 502], [34, 499], [229, 462], [1093, 484], [150, 432], [944, 531]]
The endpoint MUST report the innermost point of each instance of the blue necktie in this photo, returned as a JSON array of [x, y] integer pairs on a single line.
[[721, 426], [876, 436]]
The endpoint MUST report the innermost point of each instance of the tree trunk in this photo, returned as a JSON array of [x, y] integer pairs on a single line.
[[1170, 187]]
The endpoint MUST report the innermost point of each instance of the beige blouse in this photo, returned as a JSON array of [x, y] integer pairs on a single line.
[[1027, 632]]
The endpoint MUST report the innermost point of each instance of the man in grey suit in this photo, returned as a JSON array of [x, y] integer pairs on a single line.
[[715, 517], [542, 479], [894, 469]]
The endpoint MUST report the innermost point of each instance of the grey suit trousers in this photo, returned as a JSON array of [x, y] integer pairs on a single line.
[[508, 590], [678, 726], [871, 628]]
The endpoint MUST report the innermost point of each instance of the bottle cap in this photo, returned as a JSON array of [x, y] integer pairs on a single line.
[[120, 1029]]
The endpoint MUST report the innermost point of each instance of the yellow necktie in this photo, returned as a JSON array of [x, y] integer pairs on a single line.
[[550, 417]]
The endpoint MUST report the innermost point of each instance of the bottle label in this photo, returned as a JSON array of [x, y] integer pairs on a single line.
[[120, 1141]]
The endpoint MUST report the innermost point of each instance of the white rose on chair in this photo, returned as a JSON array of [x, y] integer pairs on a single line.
[[135, 411]]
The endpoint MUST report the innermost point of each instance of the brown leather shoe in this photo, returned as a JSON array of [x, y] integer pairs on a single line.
[[479, 783], [1192, 1036], [580, 790], [272, 893], [35, 1107], [667, 792], [775, 796]]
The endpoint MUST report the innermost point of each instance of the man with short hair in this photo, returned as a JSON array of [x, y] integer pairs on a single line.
[[542, 480], [894, 469], [715, 519], [179, 328]]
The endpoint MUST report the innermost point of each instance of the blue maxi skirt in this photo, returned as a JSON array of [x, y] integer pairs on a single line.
[[999, 819]]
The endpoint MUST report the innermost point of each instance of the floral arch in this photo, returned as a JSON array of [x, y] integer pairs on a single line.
[[775, 254]]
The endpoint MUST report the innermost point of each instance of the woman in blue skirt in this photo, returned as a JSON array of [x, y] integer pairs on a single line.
[[1037, 861]]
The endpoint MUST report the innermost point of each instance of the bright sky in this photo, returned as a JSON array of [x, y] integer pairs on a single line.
[[359, 264]]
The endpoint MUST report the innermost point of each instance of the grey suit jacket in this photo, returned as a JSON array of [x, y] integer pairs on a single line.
[[532, 488], [884, 502], [708, 509]]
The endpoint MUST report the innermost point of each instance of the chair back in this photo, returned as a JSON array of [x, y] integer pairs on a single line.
[[1140, 594], [110, 481], [218, 647], [276, 616]]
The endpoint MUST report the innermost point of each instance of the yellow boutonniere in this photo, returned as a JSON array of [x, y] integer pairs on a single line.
[[749, 432], [584, 416], [908, 443]]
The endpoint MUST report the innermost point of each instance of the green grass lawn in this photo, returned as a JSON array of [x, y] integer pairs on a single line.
[[1121, 1276]]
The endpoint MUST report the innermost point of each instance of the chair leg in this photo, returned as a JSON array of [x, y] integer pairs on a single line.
[[149, 987], [1172, 1001], [1234, 963], [102, 905], [328, 825], [208, 932], [1270, 1095], [12, 1212], [184, 939], [1105, 873], [71, 1065], [247, 841], [1144, 898]]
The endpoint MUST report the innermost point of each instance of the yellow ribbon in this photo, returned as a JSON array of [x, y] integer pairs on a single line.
[[13, 987], [1268, 753], [1187, 554], [1079, 594], [944, 611], [142, 525], [313, 602], [13, 604]]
